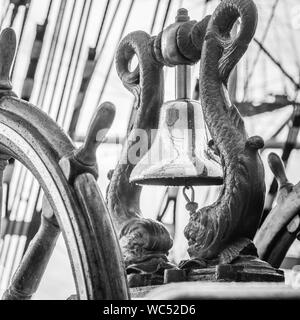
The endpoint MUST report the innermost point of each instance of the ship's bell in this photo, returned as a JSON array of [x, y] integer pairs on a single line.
[[180, 153]]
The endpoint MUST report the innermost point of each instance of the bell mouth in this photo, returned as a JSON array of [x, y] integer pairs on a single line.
[[179, 181], [180, 154], [181, 171]]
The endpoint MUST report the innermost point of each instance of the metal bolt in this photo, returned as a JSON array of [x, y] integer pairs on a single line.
[[182, 15]]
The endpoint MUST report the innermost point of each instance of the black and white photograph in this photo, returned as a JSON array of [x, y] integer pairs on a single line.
[[149, 154]]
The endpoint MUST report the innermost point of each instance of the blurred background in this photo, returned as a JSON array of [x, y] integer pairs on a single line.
[[65, 66]]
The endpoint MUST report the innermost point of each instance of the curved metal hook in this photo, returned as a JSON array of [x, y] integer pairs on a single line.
[[219, 28], [141, 239], [236, 213]]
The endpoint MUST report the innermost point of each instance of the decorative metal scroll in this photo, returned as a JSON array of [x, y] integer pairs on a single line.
[[222, 233]]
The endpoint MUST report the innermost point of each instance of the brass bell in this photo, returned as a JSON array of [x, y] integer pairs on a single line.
[[180, 155]]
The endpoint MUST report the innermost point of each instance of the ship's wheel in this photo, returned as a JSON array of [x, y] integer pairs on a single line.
[[72, 203]]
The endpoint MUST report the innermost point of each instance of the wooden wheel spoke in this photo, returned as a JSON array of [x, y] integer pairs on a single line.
[[30, 136]]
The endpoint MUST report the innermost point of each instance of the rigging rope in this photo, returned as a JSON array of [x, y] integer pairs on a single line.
[[27, 95], [249, 76], [51, 54], [4, 15], [155, 16], [167, 14], [102, 22], [62, 58], [27, 8], [64, 112], [73, 51], [268, 54], [279, 57], [90, 67], [22, 179], [37, 195], [35, 217], [34, 57], [286, 152], [27, 88], [112, 60], [132, 107], [292, 37], [36, 213], [61, 11]]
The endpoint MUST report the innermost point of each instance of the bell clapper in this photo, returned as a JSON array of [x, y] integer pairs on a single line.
[[191, 205]]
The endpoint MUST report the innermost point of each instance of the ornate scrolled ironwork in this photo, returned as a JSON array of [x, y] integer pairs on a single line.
[[145, 242], [235, 215], [223, 231]]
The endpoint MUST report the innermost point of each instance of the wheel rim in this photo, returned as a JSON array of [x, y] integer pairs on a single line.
[[31, 137]]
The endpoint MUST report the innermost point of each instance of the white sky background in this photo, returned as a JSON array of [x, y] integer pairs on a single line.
[[282, 41], [267, 79]]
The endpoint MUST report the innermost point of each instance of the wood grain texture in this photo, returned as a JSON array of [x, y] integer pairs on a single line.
[[223, 291], [281, 226], [84, 159], [27, 278], [39, 150], [30, 136], [96, 133], [8, 45], [108, 261]]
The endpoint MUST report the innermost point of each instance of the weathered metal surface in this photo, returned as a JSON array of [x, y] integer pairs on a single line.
[[243, 269], [181, 42], [145, 243], [180, 153], [223, 230]]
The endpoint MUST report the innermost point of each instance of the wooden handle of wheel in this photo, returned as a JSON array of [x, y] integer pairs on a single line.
[[99, 126], [8, 44]]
